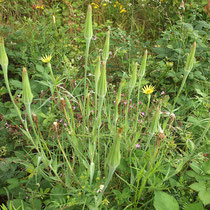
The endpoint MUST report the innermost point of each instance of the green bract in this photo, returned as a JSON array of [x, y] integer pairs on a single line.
[[114, 156], [88, 33], [3, 56], [143, 65], [134, 76], [190, 58], [102, 86], [27, 94], [105, 54]]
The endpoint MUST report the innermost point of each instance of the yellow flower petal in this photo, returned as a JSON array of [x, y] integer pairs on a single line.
[[46, 58], [148, 89]]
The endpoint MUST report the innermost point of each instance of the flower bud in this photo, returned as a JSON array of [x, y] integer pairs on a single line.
[[114, 153], [3, 56], [132, 82], [97, 70], [190, 59], [105, 54], [143, 65], [102, 86], [27, 94], [88, 33]]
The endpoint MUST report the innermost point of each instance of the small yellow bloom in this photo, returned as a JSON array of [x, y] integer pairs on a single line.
[[104, 4], [40, 7], [123, 10], [105, 201], [94, 5], [148, 89], [46, 58], [121, 6]]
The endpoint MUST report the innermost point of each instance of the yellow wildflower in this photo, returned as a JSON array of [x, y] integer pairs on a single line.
[[121, 6], [46, 58], [123, 10], [104, 4], [148, 89], [39, 6], [94, 5], [105, 201]]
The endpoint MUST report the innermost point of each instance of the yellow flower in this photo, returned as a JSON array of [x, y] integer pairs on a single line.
[[123, 10], [104, 4], [148, 89], [105, 201], [94, 5], [46, 58], [121, 6], [40, 7]]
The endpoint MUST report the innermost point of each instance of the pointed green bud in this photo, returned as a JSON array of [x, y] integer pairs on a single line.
[[105, 54], [143, 65], [92, 170], [102, 86], [3, 56], [114, 156], [190, 59], [97, 70], [132, 82], [118, 97], [155, 121], [27, 95], [88, 33]]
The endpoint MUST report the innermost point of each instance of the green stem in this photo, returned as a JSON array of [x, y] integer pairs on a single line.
[[10, 94], [111, 172], [175, 100]]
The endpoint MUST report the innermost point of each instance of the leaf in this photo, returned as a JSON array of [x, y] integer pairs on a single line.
[[195, 167], [37, 204], [198, 186], [206, 167], [194, 206], [57, 193], [13, 183], [164, 201], [204, 195], [16, 83]]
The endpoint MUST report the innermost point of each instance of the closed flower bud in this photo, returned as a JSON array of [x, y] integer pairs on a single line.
[[3, 56], [105, 54], [88, 33], [143, 65], [27, 94], [132, 82], [190, 59], [97, 70], [102, 86], [114, 156]]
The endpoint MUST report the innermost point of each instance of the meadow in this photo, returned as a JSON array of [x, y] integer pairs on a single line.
[[104, 105]]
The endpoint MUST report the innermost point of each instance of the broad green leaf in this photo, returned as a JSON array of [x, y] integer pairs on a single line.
[[194, 206], [206, 167], [164, 201], [195, 167], [204, 195], [198, 186]]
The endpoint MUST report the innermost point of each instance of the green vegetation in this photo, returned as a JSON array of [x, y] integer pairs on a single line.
[[104, 105]]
